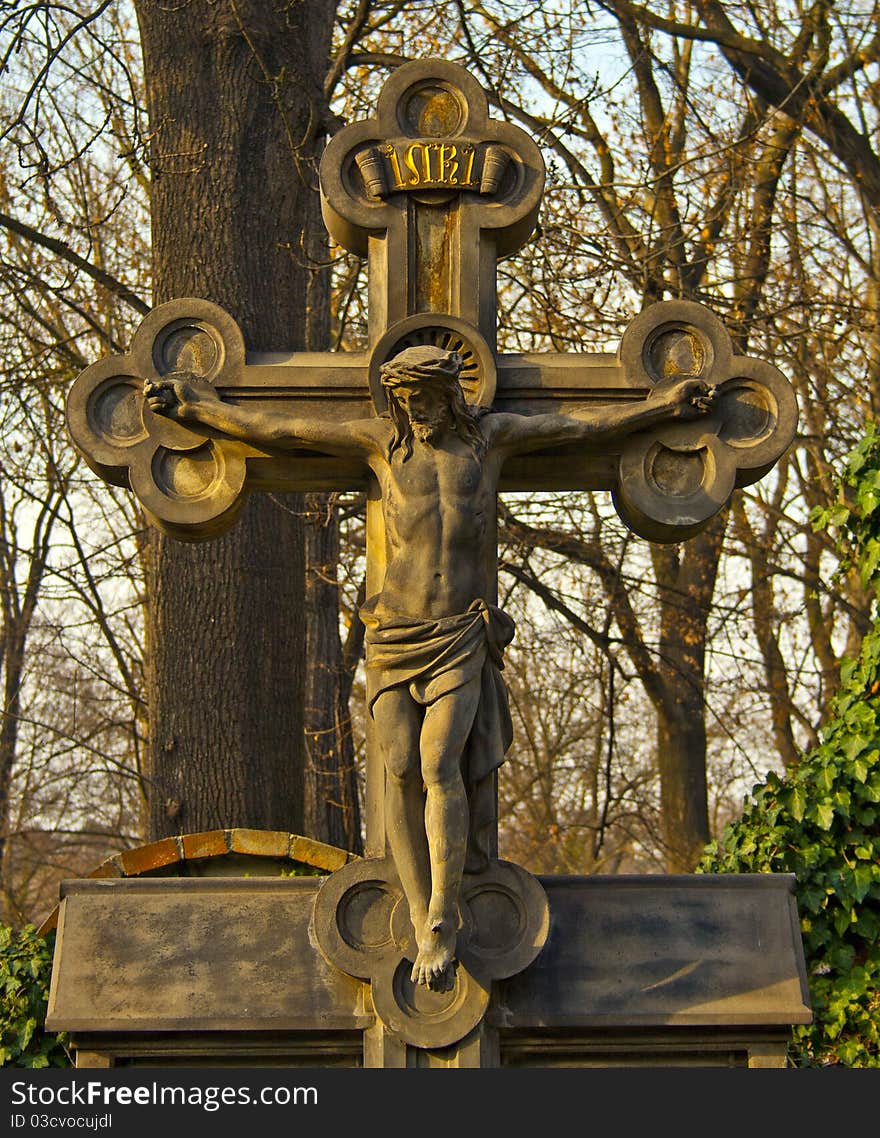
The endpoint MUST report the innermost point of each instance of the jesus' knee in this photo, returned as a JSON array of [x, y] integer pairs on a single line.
[[398, 724], [401, 761], [440, 765]]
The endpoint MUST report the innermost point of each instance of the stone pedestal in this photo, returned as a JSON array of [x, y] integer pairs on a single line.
[[642, 970]]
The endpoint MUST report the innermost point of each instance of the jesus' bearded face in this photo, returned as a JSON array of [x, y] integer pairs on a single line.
[[426, 401], [427, 407]]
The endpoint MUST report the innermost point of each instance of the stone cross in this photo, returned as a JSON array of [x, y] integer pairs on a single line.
[[433, 192]]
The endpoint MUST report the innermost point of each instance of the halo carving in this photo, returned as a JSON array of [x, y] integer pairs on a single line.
[[478, 374]]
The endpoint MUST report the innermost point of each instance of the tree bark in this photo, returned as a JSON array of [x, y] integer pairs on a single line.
[[686, 581], [332, 808], [234, 92]]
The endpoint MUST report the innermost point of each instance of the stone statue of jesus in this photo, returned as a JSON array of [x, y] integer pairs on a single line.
[[434, 641]]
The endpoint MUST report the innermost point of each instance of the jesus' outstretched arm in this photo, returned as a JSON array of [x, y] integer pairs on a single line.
[[195, 403], [681, 399]]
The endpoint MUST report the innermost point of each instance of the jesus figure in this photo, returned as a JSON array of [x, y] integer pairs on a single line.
[[434, 639]]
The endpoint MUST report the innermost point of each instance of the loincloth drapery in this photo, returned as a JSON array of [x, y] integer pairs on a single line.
[[432, 658]]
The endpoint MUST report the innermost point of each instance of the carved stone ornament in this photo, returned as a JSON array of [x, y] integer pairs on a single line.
[[432, 141], [190, 485], [362, 926], [479, 374], [674, 479]]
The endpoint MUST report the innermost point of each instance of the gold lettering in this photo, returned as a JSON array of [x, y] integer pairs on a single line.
[[391, 154], [467, 153], [431, 175], [424, 163], [449, 165], [409, 160]]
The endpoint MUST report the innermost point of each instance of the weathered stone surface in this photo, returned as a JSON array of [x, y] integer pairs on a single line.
[[153, 856], [210, 954], [318, 854], [665, 950], [237, 955], [263, 843], [208, 843]]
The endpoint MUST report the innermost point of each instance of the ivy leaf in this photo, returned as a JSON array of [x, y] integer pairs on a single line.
[[863, 877]]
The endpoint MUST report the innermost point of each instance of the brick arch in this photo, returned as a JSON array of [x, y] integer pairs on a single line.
[[218, 853]]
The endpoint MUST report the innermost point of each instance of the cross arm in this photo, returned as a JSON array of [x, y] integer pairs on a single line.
[[669, 469], [192, 482], [186, 399]]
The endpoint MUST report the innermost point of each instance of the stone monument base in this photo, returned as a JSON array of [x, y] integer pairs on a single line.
[[226, 971]]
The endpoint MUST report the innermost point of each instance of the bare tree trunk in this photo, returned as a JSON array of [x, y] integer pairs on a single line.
[[18, 605], [332, 809], [236, 111], [14, 639], [686, 580]]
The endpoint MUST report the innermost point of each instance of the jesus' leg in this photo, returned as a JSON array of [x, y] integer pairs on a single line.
[[398, 720], [445, 732]]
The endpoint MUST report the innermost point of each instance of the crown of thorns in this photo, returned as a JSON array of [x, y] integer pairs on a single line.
[[420, 365]]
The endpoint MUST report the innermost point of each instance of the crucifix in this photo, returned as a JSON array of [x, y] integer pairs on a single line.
[[432, 421]]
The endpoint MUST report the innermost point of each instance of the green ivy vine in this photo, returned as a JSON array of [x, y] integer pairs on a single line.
[[25, 971], [821, 819]]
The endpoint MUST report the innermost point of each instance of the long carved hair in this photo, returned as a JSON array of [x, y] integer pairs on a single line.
[[428, 365]]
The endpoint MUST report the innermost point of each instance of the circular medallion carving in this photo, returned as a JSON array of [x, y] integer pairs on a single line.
[[189, 346], [188, 476], [670, 486], [363, 916], [676, 352], [674, 339], [678, 473], [507, 920], [115, 411], [498, 919], [422, 1002], [433, 109], [353, 916], [421, 1016], [188, 335], [748, 413]]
